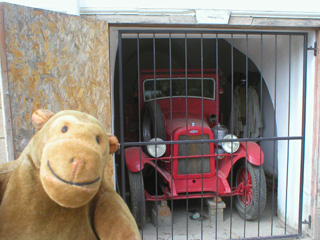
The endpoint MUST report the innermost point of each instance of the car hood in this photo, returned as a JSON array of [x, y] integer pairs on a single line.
[[180, 120]]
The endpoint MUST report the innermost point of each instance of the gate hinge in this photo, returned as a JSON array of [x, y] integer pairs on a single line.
[[314, 48], [307, 222]]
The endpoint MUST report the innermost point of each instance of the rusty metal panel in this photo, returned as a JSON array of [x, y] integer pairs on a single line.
[[55, 61]]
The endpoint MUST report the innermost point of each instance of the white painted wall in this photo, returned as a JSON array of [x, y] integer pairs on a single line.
[[308, 180], [3, 143]]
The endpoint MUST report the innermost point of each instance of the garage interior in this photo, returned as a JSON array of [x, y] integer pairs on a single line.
[[274, 65]]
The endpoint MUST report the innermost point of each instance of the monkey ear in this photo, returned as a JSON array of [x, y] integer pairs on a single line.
[[113, 143], [40, 117]]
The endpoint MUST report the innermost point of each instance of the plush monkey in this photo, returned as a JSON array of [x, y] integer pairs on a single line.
[[56, 188]]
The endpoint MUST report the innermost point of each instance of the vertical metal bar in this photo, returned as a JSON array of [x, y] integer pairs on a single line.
[[155, 129], [232, 125], [217, 82], [187, 166], [202, 169], [218, 110], [171, 127], [275, 129], [247, 85], [123, 187], [247, 135], [261, 135], [139, 111], [304, 89], [288, 142], [139, 90]]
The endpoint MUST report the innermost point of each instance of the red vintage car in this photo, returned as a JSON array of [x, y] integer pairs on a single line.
[[176, 108]]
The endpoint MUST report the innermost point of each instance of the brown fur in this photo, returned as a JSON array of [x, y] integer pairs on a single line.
[[56, 188]]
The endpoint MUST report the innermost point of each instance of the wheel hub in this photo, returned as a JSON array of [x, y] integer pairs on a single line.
[[244, 177]]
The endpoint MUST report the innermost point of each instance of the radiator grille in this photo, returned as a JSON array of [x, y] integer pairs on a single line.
[[193, 165]]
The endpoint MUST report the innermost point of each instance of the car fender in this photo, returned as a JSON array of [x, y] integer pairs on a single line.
[[135, 158], [252, 152]]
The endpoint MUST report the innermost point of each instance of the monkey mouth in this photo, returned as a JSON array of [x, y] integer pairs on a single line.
[[70, 182]]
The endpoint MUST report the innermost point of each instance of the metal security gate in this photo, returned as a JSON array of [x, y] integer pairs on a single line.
[[209, 119]]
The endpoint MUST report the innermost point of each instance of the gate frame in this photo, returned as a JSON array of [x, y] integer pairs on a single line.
[[124, 144]]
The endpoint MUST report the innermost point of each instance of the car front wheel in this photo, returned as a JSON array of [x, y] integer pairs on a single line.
[[252, 201]]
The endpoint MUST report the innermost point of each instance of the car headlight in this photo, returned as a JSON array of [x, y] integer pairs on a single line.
[[156, 150], [230, 147]]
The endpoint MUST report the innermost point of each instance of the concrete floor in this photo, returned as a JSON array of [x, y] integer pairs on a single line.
[[185, 228]]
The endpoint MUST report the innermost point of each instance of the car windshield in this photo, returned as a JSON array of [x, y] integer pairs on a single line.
[[194, 86]]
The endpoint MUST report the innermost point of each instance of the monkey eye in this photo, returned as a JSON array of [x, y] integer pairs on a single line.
[[98, 139], [64, 129]]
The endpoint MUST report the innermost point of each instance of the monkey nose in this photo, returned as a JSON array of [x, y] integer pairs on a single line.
[[76, 162]]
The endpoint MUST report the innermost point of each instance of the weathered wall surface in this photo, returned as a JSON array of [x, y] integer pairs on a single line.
[[55, 61]]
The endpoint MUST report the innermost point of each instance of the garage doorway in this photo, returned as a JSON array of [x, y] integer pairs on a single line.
[[271, 66]]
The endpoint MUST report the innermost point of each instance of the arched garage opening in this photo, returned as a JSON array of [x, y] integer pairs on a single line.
[[268, 63]]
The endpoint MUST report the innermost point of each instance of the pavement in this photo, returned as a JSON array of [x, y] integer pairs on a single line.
[[232, 227]]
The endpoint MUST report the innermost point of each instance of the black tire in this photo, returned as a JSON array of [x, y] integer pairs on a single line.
[[137, 197], [248, 205]]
